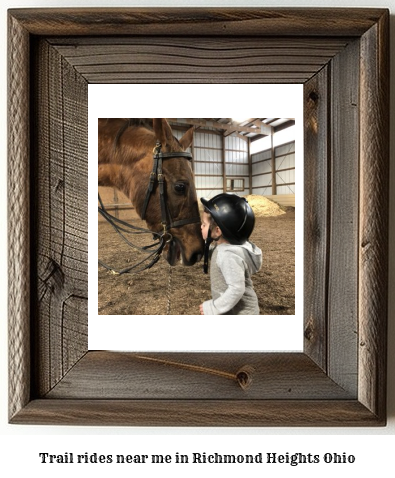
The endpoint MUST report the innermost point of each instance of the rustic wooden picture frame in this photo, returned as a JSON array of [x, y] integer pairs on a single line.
[[342, 58]]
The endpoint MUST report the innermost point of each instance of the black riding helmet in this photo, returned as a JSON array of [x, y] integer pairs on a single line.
[[233, 216]]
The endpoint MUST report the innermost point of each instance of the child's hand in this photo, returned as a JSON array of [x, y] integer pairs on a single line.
[[201, 309]]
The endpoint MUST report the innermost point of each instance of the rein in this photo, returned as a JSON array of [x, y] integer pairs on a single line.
[[155, 249]]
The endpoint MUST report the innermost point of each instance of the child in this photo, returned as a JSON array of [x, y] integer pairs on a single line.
[[229, 221]]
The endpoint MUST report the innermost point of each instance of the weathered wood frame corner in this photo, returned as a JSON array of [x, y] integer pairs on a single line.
[[342, 58]]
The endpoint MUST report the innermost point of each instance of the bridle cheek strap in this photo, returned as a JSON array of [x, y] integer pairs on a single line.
[[157, 174], [207, 243]]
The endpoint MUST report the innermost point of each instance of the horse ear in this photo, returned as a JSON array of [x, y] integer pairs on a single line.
[[187, 139], [162, 130]]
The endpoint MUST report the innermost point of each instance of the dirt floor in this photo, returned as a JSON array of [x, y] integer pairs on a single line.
[[147, 293]]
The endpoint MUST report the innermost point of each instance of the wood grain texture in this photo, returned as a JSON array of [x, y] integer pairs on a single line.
[[185, 60], [202, 413], [196, 376], [316, 214], [61, 226], [198, 21], [67, 384], [342, 285], [373, 234], [18, 218]]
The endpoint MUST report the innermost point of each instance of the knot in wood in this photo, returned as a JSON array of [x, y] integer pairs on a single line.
[[244, 376]]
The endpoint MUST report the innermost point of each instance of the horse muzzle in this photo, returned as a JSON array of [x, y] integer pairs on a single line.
[[174, 253]]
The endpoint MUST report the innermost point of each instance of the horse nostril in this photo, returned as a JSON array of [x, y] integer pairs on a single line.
[[196, 257], [193, 258]]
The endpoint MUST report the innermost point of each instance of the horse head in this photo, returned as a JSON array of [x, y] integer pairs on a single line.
[[180, 193], [131, 169]]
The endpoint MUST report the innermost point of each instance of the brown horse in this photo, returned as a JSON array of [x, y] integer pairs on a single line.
[[126, 162]]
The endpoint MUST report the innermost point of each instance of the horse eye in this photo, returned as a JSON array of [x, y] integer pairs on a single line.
[[180, 188]]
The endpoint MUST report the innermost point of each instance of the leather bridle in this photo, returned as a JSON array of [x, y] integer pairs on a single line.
[[155, 249], [157, 175]]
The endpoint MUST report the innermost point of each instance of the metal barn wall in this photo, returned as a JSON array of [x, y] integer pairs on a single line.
[[213, 153], [264, 182], [208, 164], [236, 164]]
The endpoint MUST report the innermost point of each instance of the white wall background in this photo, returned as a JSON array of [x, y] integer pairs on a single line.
[[22, 443]]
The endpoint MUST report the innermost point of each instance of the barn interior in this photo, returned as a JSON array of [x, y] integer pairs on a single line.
[[251, 157]]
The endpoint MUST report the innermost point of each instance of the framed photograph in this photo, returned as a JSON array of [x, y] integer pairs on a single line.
[[146, 311], [341, 57]]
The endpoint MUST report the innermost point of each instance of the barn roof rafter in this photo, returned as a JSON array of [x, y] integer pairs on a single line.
[[249, 128]]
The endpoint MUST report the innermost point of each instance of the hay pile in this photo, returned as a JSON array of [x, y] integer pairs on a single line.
[[264, 207]]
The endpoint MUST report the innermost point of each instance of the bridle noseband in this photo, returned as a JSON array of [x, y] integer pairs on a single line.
[[155, 249]]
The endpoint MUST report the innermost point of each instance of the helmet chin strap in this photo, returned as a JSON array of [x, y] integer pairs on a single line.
[[207, 243]]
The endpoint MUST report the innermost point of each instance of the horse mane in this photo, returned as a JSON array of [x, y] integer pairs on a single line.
[[136, 122], [146, 122]]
